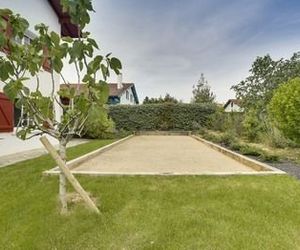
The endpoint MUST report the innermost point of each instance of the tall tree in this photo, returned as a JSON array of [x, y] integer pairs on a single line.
[[202, 92], [266, 75]]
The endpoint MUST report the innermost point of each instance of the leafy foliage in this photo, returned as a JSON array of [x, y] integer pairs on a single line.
[[284, 109], [49, 47], [167, 99], [266, 75], [251, 124], [167, 116], [98, 125], [202, 92]]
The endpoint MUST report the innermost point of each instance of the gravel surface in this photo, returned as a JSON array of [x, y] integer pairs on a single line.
[[289, 167], [162, 155]]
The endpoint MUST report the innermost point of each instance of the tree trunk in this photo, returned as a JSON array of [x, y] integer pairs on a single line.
[[62, 178]]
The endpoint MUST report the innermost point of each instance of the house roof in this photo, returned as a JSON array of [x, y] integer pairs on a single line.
[[67, 28], [113, 89], [235, 101]]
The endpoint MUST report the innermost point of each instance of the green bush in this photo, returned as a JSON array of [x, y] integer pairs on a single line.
[[227, 121], [98, 124], [166, 116], [269, 157], [246, 149], [252, 126], [284, 109]]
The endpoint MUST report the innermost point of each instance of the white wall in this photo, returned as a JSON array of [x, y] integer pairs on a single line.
[[37, 11], [124, 100], [232, 107]]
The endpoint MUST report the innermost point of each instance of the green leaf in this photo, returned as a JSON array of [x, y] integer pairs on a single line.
[[67, 39], [6, 70], [115, 63], [104, 71], [57, 64], [5, 12], [2, 40], [93, 42], [80, 65], [22, 134], [12, 89], [55, 37]]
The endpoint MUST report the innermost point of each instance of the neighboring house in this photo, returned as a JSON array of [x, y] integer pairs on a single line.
[[124, 93], [233, 105], [50, 13]]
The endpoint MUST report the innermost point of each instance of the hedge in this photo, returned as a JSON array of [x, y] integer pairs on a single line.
[[166, 116]]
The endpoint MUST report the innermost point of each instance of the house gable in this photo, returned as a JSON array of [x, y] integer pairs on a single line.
[[233, 105], [125, 95]]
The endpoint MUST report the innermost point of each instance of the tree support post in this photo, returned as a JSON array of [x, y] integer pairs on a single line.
[[67, 173]]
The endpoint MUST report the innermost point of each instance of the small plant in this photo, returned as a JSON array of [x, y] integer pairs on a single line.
[[269, 157], [252, 125], [250, 150], [236, 146]]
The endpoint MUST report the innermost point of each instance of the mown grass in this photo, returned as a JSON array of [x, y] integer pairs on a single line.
[[245, 212]]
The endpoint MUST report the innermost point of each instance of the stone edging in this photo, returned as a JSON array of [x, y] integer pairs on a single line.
[[256, 165], [77, 161], [158, 132]]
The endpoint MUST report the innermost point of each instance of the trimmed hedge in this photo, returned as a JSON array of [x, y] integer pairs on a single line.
[[166, 116]]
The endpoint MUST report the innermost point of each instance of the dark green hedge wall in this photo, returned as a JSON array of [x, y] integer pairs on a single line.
[[165, 116]]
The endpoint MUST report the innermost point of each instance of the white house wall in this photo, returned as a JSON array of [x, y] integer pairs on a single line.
[[124, 100], [233, 108], [37, 11]]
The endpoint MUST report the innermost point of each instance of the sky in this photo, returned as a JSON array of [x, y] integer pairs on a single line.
[[165, 45]]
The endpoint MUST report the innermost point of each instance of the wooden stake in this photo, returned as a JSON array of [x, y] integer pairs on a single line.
[[70, 177]]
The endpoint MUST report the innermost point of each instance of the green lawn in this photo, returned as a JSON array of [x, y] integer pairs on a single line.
[[245, 212]]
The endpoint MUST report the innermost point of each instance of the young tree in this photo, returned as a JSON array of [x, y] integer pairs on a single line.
[[25, 61], [202, 92], [284, 109]]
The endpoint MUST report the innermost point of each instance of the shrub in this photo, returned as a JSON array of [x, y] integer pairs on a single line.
[[226, 121], [284, 109], [269, 157], [274, 138], [252, 126], [250, 150], [236, 146], [99, 125], [166, 116], [227, 139]]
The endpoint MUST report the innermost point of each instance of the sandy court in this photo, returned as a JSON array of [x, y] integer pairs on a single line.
[[162, 155]]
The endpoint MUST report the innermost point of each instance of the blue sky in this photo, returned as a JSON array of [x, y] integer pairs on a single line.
[[165, 45]]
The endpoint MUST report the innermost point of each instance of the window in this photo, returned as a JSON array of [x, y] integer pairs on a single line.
[[131, 98], [127, 95], [26, 40]]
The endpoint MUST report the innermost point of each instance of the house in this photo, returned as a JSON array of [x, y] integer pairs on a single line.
[[122, 93], [119, 93], [233, 105], [50, 13]]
